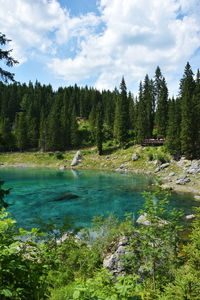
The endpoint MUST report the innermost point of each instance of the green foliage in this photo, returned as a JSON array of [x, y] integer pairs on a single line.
[[7, 58], [162, 157], [58, 155], [150, 155], [73, 269]]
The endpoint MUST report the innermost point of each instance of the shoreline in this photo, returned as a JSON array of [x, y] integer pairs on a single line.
[[119, 161]]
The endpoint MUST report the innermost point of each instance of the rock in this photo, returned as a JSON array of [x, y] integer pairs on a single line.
[[107, 157], [134, 157], [163, 166], [65, 196], [190, 217], [197, 197], [62, 168], [122, 166], [142, 220], [156, 162], [66, 236], [183, 180], [172, 174], [77, 158], [157, 170]]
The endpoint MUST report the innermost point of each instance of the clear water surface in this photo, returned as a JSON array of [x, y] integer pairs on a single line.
[[81, 194]]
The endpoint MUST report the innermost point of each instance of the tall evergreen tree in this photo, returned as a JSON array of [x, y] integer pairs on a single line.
[[162, 110], [74, 129], [99, 128], [5, 55], [187, 87], [141, 116], [21, 131], [173, 129], [196, 114], [123, 118]]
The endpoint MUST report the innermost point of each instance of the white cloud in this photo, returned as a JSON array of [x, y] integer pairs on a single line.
[[40, 25], [139, 35], [129, 38]]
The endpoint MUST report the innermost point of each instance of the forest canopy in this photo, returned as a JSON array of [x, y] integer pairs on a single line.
[[34, 117]]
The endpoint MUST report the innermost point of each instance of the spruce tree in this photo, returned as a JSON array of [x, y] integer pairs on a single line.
[[187, 87], [74, 129], [21, 131], [7, 58], [123, 118], [162, 110], [196, 115], [173, 129], [99, 128], [141, 113]]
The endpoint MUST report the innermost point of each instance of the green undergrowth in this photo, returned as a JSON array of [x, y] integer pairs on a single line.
[[156, 266]]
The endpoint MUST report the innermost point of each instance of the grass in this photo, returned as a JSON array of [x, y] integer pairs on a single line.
[[113, 157]]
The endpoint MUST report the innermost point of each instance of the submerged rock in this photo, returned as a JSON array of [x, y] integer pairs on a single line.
[[66, 196]]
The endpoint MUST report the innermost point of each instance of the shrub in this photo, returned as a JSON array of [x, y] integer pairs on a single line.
[[150, 155], [162, 157], [58, 155]]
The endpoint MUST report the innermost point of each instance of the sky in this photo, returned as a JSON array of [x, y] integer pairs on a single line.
[[95, 43]]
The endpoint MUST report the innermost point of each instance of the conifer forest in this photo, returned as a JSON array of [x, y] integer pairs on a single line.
[[34, 117]]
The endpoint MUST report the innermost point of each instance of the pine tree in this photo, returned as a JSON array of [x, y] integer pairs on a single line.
[[92, 122], [7, 139], [149, 105], [187, 87], [162, 110], [196, 115], [173, 129], [9, 60], [123, 118], [140, 121], [99, 128], [21, 132], [74, 129]]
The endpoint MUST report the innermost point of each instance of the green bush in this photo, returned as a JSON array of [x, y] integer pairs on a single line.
[[58, 155], [162, 157], [150, 155]]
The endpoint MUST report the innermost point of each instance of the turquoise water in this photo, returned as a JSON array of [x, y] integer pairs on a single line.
[[81, 194]]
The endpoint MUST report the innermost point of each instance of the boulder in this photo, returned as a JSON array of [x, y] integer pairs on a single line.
[[190, 217], [183, 180], [157, 170], [134, 157], [77, 158], [143, 220], [62, 168], [163, 166]]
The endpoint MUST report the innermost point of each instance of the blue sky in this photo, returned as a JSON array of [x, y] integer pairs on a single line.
[[63, 42]]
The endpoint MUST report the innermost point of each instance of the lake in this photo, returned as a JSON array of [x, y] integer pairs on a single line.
[[83, 194]]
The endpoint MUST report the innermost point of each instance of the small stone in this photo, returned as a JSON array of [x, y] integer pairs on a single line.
[[172, 174], [157, 169], [134, 157], [62, 168], [163, 166]]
